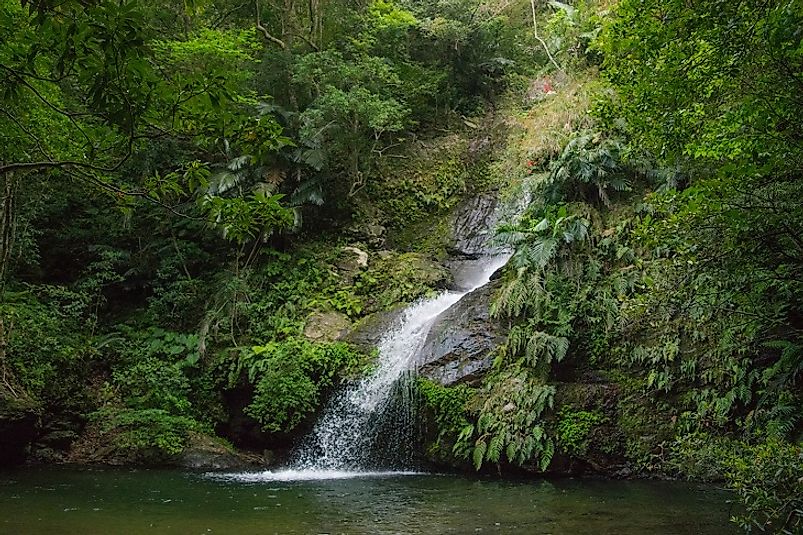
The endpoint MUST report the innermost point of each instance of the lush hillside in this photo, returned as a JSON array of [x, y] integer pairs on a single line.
[[201, 200]]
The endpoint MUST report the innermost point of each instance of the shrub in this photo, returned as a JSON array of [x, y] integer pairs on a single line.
[[448, 406], [768, 479], [146, 431], [289, 378]]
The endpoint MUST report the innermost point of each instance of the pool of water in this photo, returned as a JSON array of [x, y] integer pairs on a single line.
[[72, 501]]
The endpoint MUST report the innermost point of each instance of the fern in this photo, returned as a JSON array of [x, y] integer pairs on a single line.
[[587, 161], [495, 447], [509, 421], [543, 348], [479, 453]]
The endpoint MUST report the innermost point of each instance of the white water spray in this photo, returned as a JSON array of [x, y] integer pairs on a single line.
[[343, 438], [343, 443], [368, 428]]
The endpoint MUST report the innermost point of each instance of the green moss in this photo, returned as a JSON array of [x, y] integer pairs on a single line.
[[430, 236], [573, 429], [399, 278], [447, 407]]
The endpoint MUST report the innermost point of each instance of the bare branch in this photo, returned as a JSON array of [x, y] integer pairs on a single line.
[[543, 43], [265, 32]]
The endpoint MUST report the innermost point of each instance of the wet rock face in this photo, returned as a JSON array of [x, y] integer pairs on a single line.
[[367, 334], [461, 346], [473, 226]]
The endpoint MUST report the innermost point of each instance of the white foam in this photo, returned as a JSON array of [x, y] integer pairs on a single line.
[[305, 475], [340, 440]]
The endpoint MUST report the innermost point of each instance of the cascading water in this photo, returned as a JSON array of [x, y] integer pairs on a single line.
[[368, 429], [344, 437]]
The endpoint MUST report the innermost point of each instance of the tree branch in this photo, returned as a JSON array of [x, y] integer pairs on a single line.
[[265, 32], [543, 43]]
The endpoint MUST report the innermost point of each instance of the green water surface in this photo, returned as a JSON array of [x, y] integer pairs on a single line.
[[84, 502]]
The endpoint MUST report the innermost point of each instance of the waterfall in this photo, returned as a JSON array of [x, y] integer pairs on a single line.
[[362, 428], [369, 427]]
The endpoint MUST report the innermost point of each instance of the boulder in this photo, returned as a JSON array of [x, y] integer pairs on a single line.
[[461, 345], [367, 334], [351, 261], [326, 326], [204, 452]]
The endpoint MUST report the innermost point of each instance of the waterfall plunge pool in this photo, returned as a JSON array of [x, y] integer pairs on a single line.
[[85, 501]]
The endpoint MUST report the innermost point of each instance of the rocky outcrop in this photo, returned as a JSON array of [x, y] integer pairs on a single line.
[[210, 453], [472, 226], [461, 346], [472, 231], [371, 234], [351, 261], [367, 334], [326, 326]]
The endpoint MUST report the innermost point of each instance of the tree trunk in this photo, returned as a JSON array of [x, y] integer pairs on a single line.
[[8, 188]]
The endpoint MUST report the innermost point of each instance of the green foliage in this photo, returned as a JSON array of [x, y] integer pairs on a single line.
[[474, 43], [541, 242], [449, 408], [767, 479], [156, 395], [45, 352], [243, 220], [589, 169], [764, 473], [509, 422], [146, 433], [289, 378], [400, 278], [701, 456], [573, 429], [696, 60], [153, 384], [571, 30]]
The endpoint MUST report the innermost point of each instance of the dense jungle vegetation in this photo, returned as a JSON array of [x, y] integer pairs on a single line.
[[198, 198]]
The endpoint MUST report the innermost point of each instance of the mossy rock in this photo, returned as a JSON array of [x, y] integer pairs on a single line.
[[602, 448], [206, 452], [18, 419], [368, 332], [326, 326], [401, 278]]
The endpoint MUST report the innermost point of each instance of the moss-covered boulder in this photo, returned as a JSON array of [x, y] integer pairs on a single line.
[[204, 452], [326, 326]]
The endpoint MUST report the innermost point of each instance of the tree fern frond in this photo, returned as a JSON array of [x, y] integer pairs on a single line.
[[479, 453], [495, 447]]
